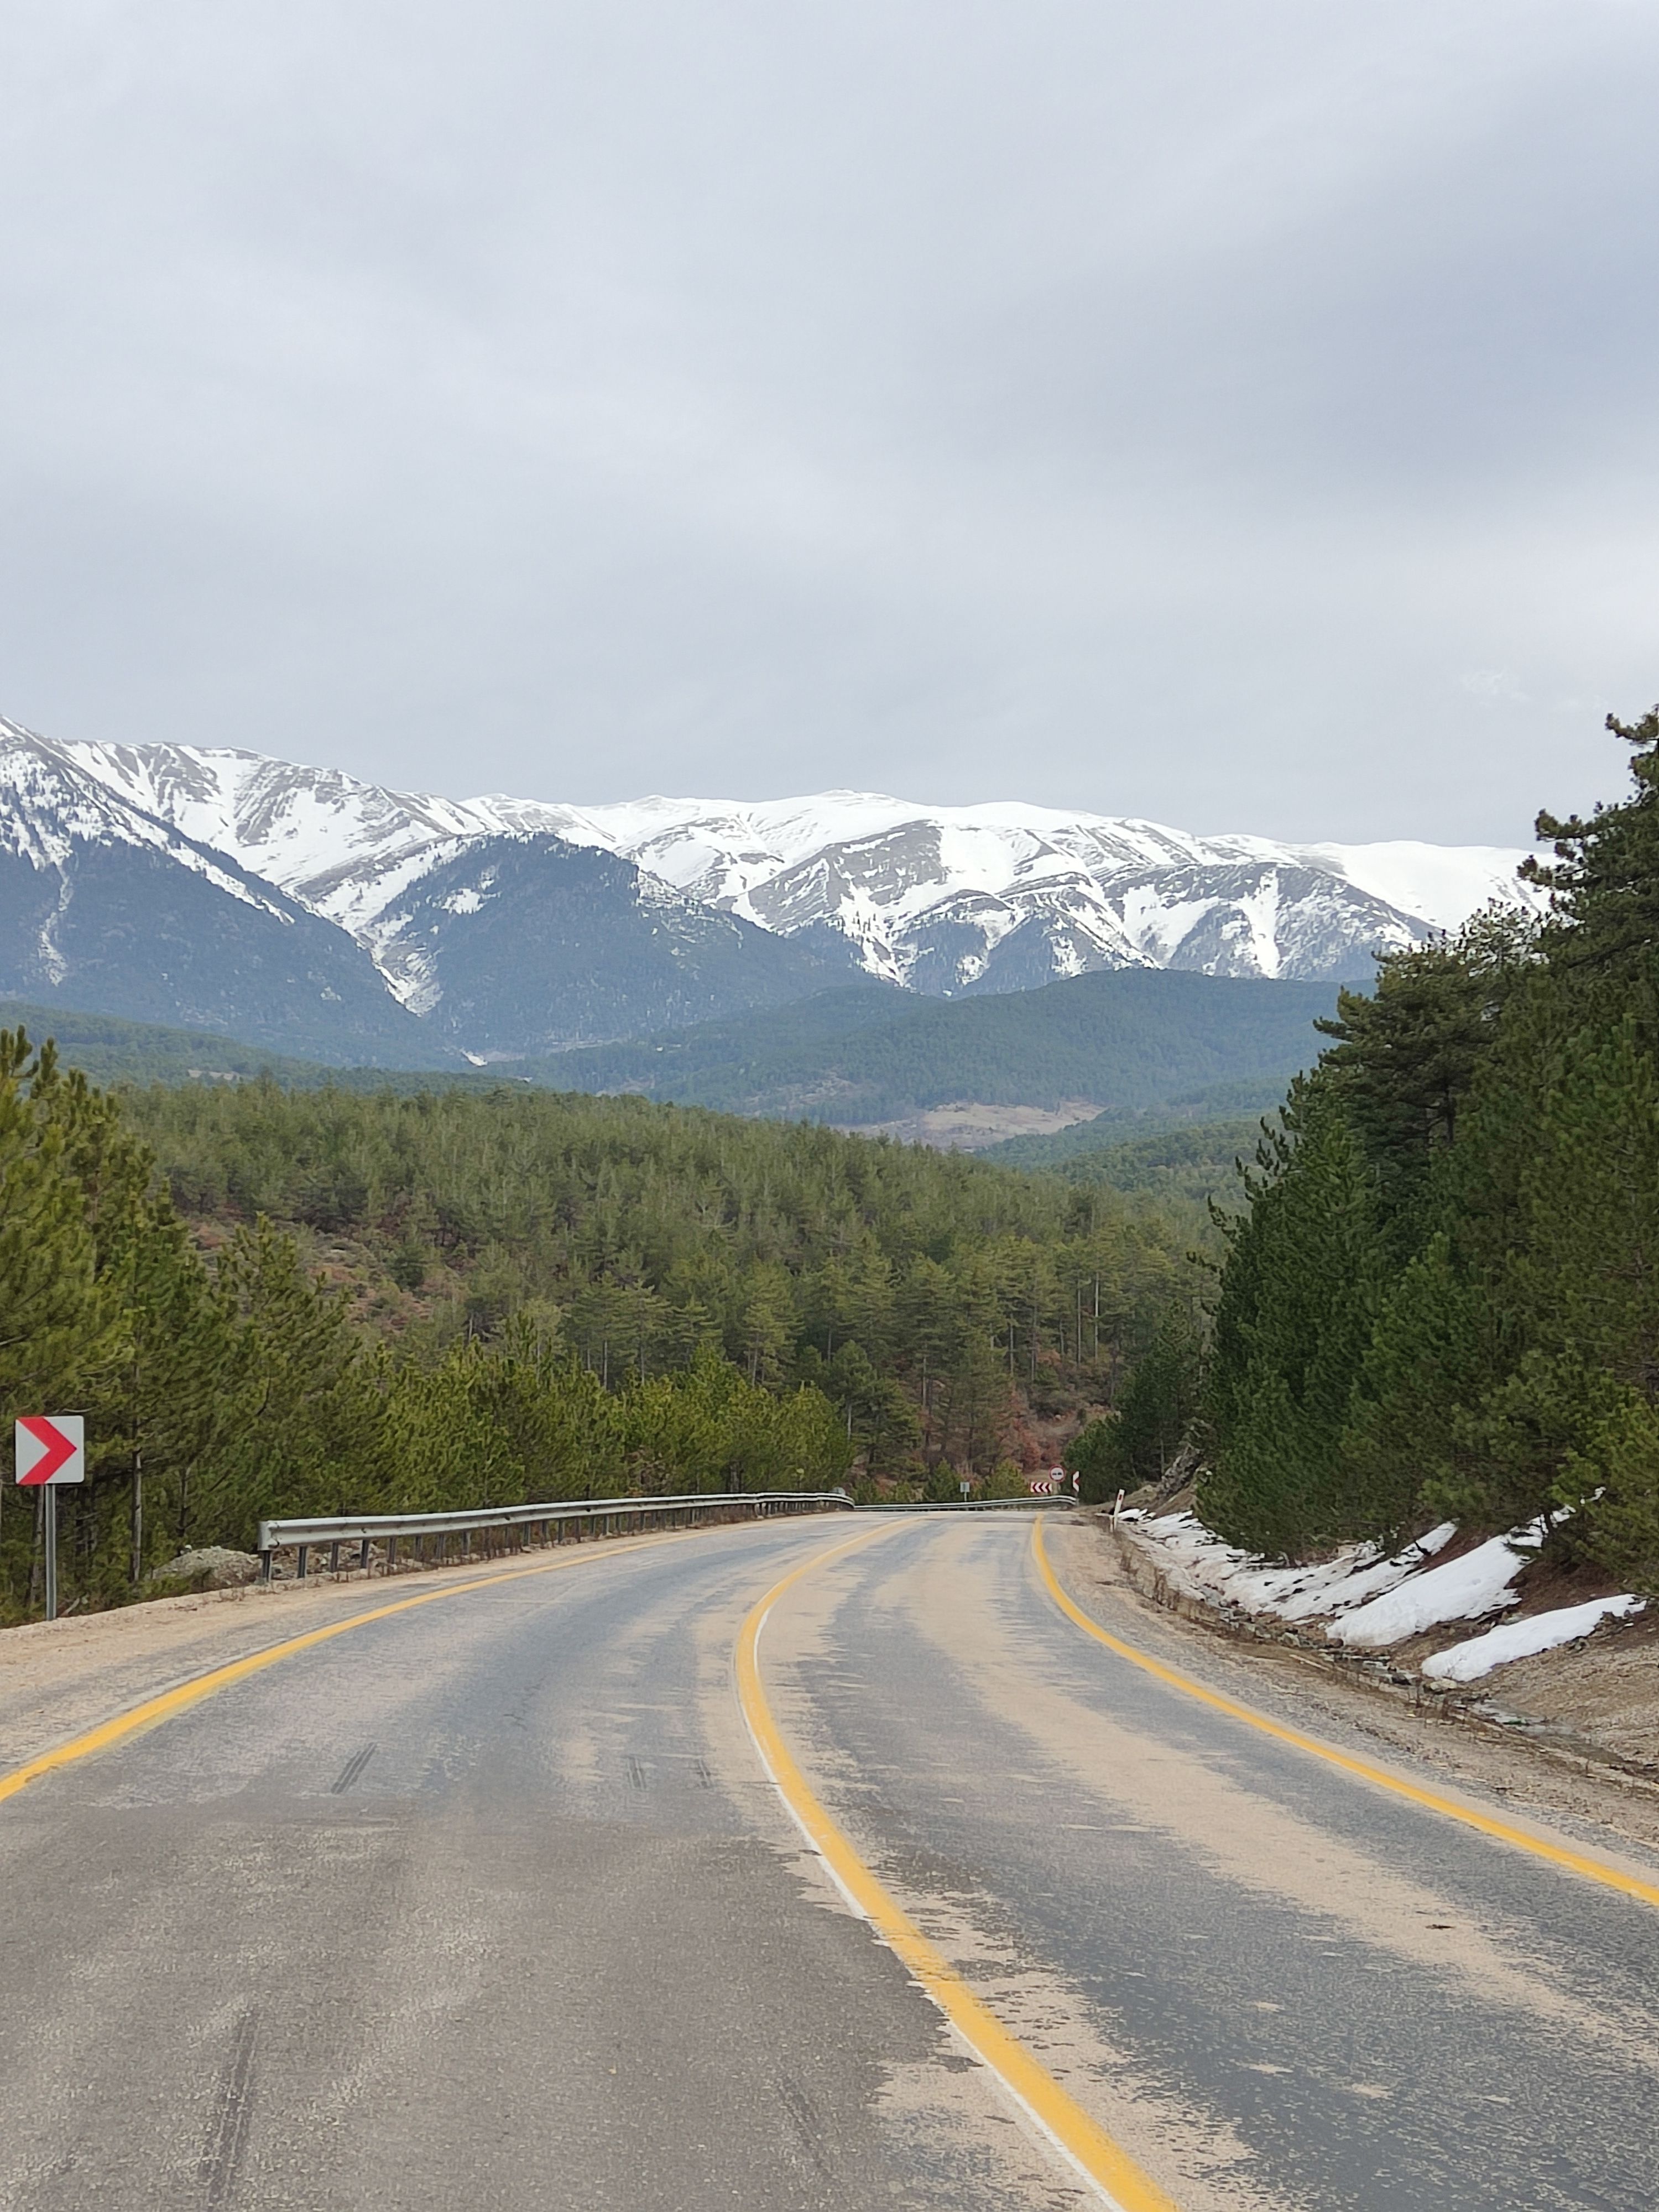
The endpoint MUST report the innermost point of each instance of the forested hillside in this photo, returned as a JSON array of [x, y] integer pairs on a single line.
[[1443, 1296], [275, 1301], [1148, 1045], [1129, 1038], [1192, 1163]]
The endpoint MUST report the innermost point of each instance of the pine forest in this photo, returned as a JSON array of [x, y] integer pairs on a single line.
[[1440, 1299], [286, 1302]]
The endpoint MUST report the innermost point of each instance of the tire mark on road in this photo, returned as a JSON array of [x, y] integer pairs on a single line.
[[234, 2104], [352, 1770]]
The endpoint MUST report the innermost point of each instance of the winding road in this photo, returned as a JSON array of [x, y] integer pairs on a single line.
[[849, 1862]]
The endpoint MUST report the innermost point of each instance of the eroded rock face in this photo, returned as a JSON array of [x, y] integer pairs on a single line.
[[224, 1569]]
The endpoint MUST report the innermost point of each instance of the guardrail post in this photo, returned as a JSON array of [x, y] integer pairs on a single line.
[[264, 1568], [334, 1558], [363, 1555], [299, 1562]]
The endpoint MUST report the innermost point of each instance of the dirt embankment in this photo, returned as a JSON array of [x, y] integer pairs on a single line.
[[1589, 1709]]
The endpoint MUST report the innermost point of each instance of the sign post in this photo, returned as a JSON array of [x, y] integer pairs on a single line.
[[51, 1448]]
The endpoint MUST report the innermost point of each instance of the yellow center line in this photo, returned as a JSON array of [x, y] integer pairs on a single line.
[[1611, 1877], [185, 1694], [1081, 2141]]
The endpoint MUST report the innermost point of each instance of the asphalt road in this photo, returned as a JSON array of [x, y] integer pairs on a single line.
[[490, 1905]]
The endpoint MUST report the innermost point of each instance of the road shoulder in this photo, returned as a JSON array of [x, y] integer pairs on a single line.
[[1600, 1805], [62, 1677]]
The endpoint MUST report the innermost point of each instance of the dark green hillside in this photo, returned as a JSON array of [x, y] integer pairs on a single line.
[[1151, 1047], [1129, 1039], [712, 1063], [320, 1300], [108, 1050]]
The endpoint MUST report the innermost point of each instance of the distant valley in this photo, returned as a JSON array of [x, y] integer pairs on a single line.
[[1137, 1046]]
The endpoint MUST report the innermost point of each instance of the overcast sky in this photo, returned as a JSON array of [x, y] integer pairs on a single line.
[[1237, 412]]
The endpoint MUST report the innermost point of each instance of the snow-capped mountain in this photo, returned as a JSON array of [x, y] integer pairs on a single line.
[[944, 900], [1000, 897], [128, 886], [517, 945], [106, 907]]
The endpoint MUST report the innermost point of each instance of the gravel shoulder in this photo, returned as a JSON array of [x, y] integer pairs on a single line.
[[1589, 1708]]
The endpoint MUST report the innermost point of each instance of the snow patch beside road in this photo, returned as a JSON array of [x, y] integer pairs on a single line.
[[1524, 1639], [1466, 1588], [1358, 1571], [1371, 1603]]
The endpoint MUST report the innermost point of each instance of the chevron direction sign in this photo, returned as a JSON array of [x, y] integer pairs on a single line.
[[52, 1448]]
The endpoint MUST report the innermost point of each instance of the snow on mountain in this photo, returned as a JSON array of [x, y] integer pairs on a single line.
[[1442, 883], [945, 900], [110, 908], [346, 848], [49, 804]]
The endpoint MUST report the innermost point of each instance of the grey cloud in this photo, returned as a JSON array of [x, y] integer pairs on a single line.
[[1173, 410]]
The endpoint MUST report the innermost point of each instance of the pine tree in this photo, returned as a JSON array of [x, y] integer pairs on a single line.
[[1157, 1407], [59, 1325], [1407, 1056], [1299, 1300], [302, 1433]]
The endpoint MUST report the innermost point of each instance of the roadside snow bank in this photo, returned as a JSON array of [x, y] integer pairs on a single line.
[[1369, 1602], [1524, 1639], [1358, 1573], [1462, 1590]]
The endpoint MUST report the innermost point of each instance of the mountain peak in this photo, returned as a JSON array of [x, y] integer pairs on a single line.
[[993, 895]]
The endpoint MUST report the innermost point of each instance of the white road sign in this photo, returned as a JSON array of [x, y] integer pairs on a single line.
[[52, 1448]]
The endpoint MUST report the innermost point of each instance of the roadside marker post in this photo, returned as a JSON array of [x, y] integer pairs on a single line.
[[50, 1448]]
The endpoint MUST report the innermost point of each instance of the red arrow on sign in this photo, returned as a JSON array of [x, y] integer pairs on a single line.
[[55, 1449]]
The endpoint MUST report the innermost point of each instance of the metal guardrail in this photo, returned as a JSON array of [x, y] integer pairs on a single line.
[[431, 1533], [963, 1505]]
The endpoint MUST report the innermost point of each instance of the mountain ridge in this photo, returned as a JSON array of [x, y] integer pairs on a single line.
[[105, 906], [948, 901]]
